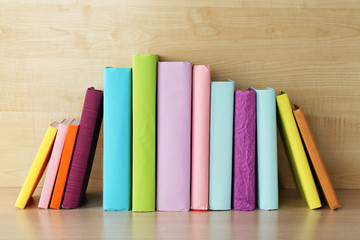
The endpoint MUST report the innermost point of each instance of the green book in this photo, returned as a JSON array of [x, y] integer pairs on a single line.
[[144, 129]]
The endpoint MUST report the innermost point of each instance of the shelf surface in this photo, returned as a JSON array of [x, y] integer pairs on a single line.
[[91, 222]]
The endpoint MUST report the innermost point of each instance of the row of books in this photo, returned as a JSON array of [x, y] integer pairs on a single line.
[[175, 141], [68, 148]]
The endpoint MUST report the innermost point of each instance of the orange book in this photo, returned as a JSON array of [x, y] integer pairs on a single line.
[[315, 158], [64, 165]]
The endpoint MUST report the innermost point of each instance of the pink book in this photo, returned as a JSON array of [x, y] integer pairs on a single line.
[[53, 165], [200, 138]]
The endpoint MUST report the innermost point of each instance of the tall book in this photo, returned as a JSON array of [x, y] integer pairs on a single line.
[[144, 131], [117, 139], [244, 150], [221, 142], [173, 136], [315, 158], [295, 152], [37, 167], [53, 165], [200, 137], [84, 151], [267, 168], [64, 165]]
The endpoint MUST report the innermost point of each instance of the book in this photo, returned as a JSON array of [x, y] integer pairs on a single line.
[[84, 150], [144, 131], [316, 160], [64, 165], [53, 167], [244, 150], [221, 143], [37, 167], [117, 139], [200, 137], [173, 136], [266, 161], [295, 152]]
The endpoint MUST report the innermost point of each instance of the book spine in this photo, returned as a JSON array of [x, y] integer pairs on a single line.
[[244, 150], [53, 167], [295, 152], [64, 166], [117, 139], [37, 167], [144, 130], [221, 142], [84, 151], [267, 171], [173, 136], [200, 138], [315, 158]]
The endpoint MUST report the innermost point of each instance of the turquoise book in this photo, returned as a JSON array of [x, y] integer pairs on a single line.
[[266, 160], [117, 139], [221, 142]]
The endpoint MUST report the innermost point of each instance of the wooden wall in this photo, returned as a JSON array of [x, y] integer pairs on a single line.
[[51, 52]]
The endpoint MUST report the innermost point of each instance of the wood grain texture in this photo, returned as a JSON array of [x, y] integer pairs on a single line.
[[308, 48], [90, 221]]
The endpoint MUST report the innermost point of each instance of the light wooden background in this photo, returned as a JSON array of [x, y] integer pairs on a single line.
[[50, 53]]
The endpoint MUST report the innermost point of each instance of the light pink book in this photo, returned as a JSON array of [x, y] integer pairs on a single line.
[[53, 165], [200, 138]]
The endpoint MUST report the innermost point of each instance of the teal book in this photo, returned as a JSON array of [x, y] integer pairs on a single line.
[[221, 142], [117, 139], [266, 161]]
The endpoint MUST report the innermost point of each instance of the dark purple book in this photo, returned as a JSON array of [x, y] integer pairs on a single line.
[[244, 150], [84, 149]]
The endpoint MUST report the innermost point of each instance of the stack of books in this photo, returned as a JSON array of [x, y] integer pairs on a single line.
[[176, 141]]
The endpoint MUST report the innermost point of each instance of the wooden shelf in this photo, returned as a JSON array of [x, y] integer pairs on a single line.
[[292, 220]]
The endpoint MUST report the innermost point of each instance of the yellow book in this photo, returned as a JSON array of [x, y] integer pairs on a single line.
[[38, 166], [295, 152]]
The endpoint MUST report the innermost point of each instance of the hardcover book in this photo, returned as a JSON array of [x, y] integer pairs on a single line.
[[117, 139], [64, 165], [84, 151], [38, 166], [267, 169], [200, 137], [221, 143], [244, 150], [295, 152], [315, 158], [53, 165], [173, 136], [144, 131]]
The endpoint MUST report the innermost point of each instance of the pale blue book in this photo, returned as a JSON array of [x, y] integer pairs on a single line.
[[117, 139], [221, 142], [266, 162]]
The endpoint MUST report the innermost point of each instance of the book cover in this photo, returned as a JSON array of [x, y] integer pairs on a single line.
[[53, 165], [315, 158], [144, 131], [266, 162], [221, 144], [244, 150], [117, 139], [37, 167], [84, 150], [64, 165], [200, 137], [295, 152], [173, 136]]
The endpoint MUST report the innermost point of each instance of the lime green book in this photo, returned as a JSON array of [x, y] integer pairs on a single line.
[[144, 130], [295, 152]]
